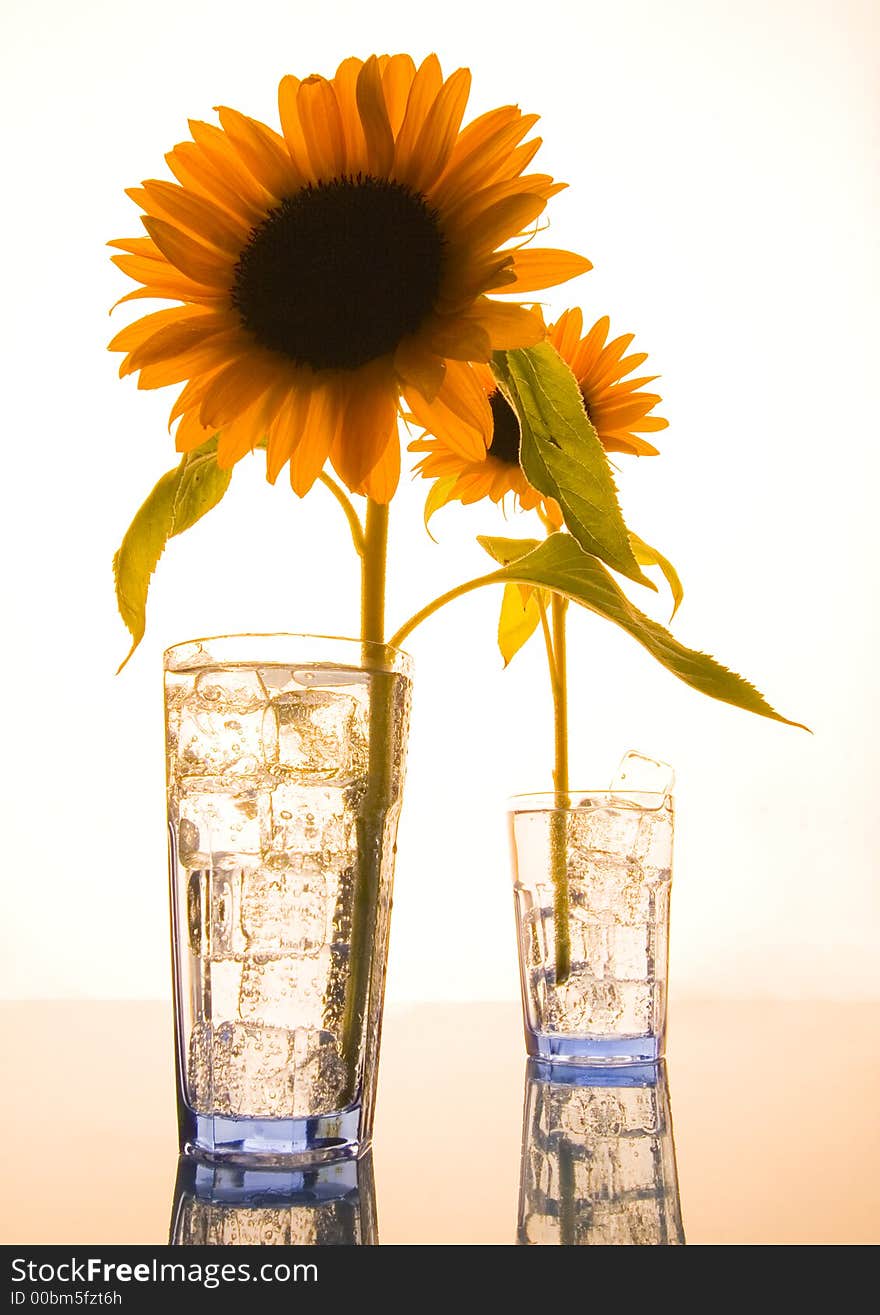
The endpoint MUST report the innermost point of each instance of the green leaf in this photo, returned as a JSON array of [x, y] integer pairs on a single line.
[[180, 498], [507, 550], [561, 455], [648, 556], [560, 564], [519, 619]]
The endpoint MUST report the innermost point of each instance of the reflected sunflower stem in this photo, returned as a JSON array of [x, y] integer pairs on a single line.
[[378, 798]]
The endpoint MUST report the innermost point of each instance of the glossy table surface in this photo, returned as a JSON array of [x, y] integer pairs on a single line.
[[774, 1109]]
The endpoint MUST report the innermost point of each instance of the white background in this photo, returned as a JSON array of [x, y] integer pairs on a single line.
[[723, 183]]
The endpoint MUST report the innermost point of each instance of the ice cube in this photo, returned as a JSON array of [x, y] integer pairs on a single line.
[[285, 990], [285, 907], [273, 1072], [253, 1076], [637, 774], [213, 908], [220, 743], [178, 689], [622, 952], [654, 842], [308, 820], [223, 989], [236, 690], [320, 676], [315, 735], [603, 826], [607, 887], [199, 1066], [319, 1072], [217, 829], [591, 1006]]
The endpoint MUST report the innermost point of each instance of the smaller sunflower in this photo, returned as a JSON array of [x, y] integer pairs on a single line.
[[615, 404]]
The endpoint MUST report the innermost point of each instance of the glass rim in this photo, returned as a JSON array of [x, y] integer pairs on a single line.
[[548, 801], [397, 660]]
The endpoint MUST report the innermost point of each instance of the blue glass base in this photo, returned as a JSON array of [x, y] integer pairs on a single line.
[[223, 1203], [557, 1048], [334, 1136], [596, 1075]]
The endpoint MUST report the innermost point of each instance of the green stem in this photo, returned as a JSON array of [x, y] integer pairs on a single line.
[[354, 524], [559, 817], [373, 574], [378, 797]]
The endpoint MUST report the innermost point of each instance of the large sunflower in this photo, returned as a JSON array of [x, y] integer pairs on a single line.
[[329, 271], [615, 404]]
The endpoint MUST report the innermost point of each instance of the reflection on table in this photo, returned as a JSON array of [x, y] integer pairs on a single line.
[[321, 1205], [598, 1158]]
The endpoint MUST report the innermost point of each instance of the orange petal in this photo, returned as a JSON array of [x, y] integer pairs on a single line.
[[318, 434], [420, 367], [166, 291], [465, 393], [345, 83], [196, 261], [482, 163], [501, 221], [628, 443], [471, 277], [263, 152], [286, 428], [218, 150], [140, 330], [234, 388], [545, 267], [374, 119], [509, 326], [605, 372], [468, 440], [205, 358], [368, 422], [204, 220], [175, 339], [461, 217], [240, 436], [566, 332], [192, 394], [190, 433], [191, 167], [137, 246], [322, 127], [288, 110], [381, 483], [397, 78], [622, 413], [422, 94], [458, 338], [439, 131]]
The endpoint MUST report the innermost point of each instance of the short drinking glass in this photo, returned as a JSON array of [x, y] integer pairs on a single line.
[[592, 876]]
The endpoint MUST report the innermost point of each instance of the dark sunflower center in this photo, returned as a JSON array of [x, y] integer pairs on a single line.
[[505, 436], [338, 273]]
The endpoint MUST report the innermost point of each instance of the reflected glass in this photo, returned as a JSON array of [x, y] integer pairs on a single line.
[[227, 1205], [598, 1157]]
